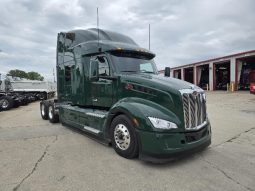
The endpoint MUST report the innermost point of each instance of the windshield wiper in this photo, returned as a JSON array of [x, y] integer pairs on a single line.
[[147, 72], [128, 71]]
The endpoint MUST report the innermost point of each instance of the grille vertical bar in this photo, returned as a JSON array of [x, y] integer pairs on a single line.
[[194, 109]]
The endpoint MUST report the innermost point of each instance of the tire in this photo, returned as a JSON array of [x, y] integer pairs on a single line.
[[16, 103], [6, 103], [24, 101], [53, 116], [1, 102], [42, 96], [123, 137], [44, 110]]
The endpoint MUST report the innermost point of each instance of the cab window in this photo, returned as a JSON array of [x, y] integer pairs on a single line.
[[146, 67], [103, 66]]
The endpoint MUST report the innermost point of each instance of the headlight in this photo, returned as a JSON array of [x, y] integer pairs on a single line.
[[162, 124]]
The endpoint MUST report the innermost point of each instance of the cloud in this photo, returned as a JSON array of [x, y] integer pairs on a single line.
[[181, 31]]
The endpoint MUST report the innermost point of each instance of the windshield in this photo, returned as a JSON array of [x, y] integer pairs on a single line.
[[133, 63]]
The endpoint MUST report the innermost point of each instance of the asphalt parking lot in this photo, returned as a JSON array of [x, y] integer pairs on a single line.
[[37, 155]]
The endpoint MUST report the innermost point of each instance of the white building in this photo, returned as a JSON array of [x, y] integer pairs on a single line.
[[230, 72]]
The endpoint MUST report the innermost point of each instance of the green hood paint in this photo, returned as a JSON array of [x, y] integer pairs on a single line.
[[156, 81], [152, 91]]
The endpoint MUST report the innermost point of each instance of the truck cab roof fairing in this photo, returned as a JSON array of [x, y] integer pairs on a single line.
[[81, 36], [108, 41]]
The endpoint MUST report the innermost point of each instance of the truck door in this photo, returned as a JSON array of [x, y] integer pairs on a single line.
[[102, 90]]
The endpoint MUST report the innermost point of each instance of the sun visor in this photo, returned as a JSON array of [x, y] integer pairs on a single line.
[[138, 53]]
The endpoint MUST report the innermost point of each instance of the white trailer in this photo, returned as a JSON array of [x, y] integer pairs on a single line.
[[42, 89], [9, 98]]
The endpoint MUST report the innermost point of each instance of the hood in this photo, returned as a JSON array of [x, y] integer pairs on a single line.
[[159, 89], [162, 83]]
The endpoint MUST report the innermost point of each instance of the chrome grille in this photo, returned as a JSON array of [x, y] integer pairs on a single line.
[[194, 108]]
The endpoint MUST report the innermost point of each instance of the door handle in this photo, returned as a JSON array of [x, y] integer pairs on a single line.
[[94, 99]]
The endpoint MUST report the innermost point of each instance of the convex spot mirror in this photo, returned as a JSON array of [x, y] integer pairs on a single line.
[[167, 71], [94, 70], [101, 59]]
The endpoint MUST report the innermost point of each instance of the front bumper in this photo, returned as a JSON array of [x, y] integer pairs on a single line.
[[162, 147]]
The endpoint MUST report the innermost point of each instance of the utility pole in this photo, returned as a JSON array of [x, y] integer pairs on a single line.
[[54, 75], [149, 36], [97, 28]]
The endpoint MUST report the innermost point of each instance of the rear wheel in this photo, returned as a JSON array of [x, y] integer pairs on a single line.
[[44, 110], [123, 137], [53, 116], [6, 103]]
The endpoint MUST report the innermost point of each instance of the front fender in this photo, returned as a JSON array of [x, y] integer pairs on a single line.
[[141, 109]]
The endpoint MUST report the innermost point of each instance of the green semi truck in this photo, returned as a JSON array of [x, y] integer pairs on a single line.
[[109, 87]]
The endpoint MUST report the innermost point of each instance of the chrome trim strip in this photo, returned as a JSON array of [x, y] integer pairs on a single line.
[[194, 107], [190, 91], [90, 129], [95, 114], [198, 127]]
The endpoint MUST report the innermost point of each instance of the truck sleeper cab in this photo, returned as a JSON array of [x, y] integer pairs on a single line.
[[111, 88]]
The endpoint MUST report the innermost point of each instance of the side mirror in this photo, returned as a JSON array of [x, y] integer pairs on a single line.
[[93, 72], [167, 71]]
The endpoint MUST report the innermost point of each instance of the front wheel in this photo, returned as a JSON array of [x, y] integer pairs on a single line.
[[123, 137], [6, 103]]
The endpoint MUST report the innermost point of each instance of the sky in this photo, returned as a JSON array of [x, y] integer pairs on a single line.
[[182, 32]]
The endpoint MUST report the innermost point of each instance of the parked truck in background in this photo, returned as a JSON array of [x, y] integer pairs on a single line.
[[41, 89], [109, 87], [15, 92], [8, 99]]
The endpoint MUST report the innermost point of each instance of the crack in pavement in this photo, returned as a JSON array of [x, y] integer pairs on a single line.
[[235, 137], [225, 174], [36, 165], [222, 171], [62, 178]]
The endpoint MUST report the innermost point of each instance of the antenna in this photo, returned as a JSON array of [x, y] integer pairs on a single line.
[[54, 75], [97, 28], [149, 36]]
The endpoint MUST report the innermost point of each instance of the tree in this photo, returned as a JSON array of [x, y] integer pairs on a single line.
[[34, 76], [17, 73], [28, 75]]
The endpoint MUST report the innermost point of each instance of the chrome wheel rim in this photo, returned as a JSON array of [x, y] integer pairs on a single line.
[[5, 104], [50, 112], [42, 109], [122, 137]]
